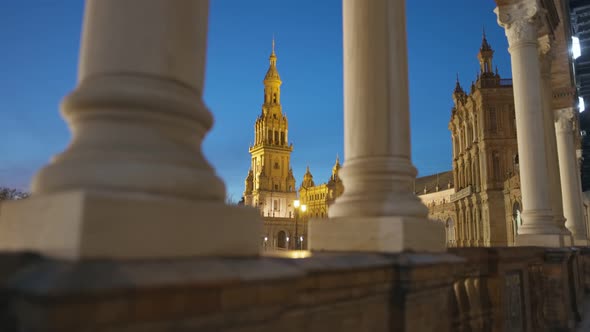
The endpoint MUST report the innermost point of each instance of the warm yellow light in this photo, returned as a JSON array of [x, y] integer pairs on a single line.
[[303, 208], [294, 254], [296, 203], [297, 254]]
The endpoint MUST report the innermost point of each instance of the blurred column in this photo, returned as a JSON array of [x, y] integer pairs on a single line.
[[133, 182], [546, 59], [572, 196]]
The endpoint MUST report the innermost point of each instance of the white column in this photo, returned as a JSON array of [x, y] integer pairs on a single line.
[[546, 58], [378, 210], [521, 21], [133, 183], [572, 196]]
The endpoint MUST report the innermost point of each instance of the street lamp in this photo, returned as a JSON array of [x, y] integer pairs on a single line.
[[298, 207]]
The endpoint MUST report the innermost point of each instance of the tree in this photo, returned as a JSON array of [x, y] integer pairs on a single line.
[[12, 194]]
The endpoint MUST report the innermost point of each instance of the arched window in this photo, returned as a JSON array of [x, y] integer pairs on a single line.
[[516, 219], [274, 98], [282, 240], [450, 228]]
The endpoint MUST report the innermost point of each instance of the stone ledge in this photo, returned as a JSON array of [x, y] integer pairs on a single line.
[[224, 293]]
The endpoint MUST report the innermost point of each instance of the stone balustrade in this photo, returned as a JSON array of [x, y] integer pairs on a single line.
[[466, 289]]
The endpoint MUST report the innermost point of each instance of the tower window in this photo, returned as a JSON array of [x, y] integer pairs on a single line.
[[274, 98], [276, 187]]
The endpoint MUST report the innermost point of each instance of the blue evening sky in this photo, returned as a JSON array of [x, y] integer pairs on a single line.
[[38, 61]]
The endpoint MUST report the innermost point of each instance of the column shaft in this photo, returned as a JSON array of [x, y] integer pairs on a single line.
[[376, 113], [572, 199], [521, 21], [378, 210], [550, 140]]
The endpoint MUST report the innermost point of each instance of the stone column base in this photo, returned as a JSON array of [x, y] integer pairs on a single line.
[[79, 224], [543, 240], [376, 234]]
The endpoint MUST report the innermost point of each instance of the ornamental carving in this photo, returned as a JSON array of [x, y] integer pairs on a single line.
[[520, 21], [546, 55], [564, 119]]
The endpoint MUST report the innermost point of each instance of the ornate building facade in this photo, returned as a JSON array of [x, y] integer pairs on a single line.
[[319, 198], [270, 184], [483, 133]]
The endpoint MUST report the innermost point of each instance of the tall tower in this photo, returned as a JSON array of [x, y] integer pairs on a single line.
[[270, 184]]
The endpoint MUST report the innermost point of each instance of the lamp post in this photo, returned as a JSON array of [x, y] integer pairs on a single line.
[[298, 206]]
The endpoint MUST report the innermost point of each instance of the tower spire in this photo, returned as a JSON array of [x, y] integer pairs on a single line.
[[485, 55], [272, 80], [458, 88], [485, 46]]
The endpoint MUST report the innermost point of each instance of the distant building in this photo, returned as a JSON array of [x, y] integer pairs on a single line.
[[318, 198], [483, 133], [435, 191], [270, 185]]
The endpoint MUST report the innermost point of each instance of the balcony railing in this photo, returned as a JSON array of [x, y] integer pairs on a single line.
[[461, 193]]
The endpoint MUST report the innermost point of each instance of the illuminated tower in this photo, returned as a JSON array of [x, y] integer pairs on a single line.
[[270, 184]]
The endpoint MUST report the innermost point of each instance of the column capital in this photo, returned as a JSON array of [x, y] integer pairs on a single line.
[[520, 19], [564, 119]]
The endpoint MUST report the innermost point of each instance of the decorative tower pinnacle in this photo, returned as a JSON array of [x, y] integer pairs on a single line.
[[485, 56], [307, 179], [272, 80]]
